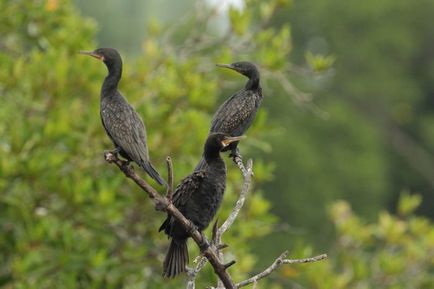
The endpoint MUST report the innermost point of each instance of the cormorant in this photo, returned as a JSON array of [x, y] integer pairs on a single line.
[[121, 122], [236, 114], [198, 198]]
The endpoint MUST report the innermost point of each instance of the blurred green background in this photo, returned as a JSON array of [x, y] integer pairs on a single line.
[[343, 146]]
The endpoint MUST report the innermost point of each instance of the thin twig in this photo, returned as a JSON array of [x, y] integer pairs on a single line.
[[191, 283], [240, 202], [247, 174], [305, 260], [239, 161], [276, 264], [169, 178]]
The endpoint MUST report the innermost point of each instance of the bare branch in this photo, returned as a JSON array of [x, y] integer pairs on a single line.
[[129, 173], [169, 178], [305, 260], [230, 263], [163, 204], [276, 264], [239, 162], [191, 283], [298, 97], [240, 202]]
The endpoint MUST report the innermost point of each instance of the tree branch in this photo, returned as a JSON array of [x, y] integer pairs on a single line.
[[164, 204], [276, 265], [169, 178], [239, 162], [240, 202], [191, 283]]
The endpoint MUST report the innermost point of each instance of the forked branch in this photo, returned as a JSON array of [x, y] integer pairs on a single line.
[[276, 265]]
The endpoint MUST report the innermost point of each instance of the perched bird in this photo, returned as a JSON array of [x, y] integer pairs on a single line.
[[198, 198], [121, 122], [237, 113]]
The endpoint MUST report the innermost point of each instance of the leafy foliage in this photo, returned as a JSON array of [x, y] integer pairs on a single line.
[[394, 252]]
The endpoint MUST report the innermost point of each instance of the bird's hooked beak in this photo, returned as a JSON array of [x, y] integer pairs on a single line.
[[226, 66], [230, 139], [93, 54]]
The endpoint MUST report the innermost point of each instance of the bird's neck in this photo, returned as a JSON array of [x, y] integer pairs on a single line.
[[215, 163], [211, 155], [253, 83], [112, 79]]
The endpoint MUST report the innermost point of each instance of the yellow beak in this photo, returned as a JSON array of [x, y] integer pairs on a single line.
[[228, 140]]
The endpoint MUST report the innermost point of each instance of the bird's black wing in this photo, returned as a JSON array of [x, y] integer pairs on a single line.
[[236, 114], [187, 188], [126, 129], [183, 193]]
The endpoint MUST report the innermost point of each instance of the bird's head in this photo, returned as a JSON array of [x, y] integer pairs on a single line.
[[109, 56], [244, 67], [218, 141]]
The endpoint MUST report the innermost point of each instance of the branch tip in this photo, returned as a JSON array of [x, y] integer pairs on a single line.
[[215, 228], [279, 261], [222, 246], [169, 191], [229, 264]]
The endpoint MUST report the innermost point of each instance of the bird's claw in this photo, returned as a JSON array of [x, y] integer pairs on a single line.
[[193, 228], [127, 167], [204, 244], [235, 155], [114, 151]]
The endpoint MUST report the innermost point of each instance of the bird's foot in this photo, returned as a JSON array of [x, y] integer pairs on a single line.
[[114, 151], [204, 244], [192, 228], [127, 168], [112, 155], [235, 154], [238, 160]]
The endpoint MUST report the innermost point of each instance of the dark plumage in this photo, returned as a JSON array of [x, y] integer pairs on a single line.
[[198, 198], [237, 113], [121, 122]]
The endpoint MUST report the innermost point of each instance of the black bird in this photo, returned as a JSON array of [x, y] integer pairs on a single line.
[[121, 122], [237, 113], [198, 198]]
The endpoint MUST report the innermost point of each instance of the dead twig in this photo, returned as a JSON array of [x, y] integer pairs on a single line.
[[248, 172], [169, 178], [276, 265]]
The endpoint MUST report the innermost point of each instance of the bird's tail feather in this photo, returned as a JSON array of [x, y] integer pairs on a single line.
[[176, 258], [152, 172]]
